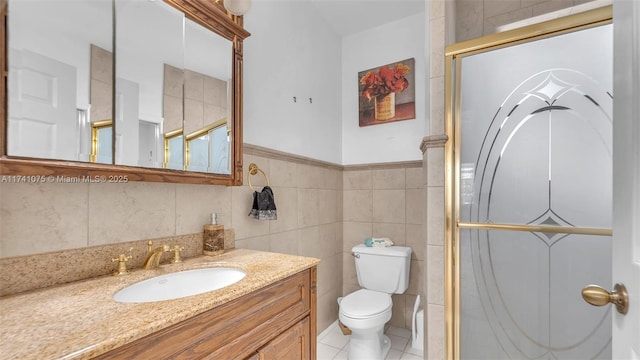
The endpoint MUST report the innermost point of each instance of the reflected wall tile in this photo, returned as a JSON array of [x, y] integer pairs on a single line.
[[245, 227], [308, 207], [131, 211], [396, 232], [38, 218], [284, 242], [287, 206], [416, 240], [355, 233], [389, 206], [414, 178], [193, 85], [195, 203], [101, 101], [470, 19], [498, 20], [193, 116], [357, 205], [416, 204], [550, 6], [389, 179], [497, 7], [283, 173], [357, 179]]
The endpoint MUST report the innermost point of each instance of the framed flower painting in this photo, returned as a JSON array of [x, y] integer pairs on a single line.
[[387, 93]]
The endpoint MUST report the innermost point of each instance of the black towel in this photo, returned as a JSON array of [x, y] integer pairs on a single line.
[[264, 205]]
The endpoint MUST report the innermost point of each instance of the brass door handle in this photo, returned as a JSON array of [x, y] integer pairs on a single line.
[[597, 296]]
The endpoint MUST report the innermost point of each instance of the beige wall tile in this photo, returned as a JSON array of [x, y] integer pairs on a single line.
[[357, 179], [508, 18], [436, 103], [173, 81], [410, 301], [349, 276], [308, 207], [193, 86], [330, 240], [389, 179], [131, 211], [244, 226], [435, 274], [355, 233], [396, 232], [434, 322], [30, 224], [435, 213], [330, 274], [327, 311], [435, 171], [309, 243], [398, 310], [215, 91], [415, 206], [327, 204], [287, 207], [436, 44], [389, 206], [260, 243], [283, 173], [357, 205], [470, 19], [172, 113], [309, 177], [416, 240], [101, 65], [284, 242], [195, 203], [414, 178], [416, 285], [101, 101]]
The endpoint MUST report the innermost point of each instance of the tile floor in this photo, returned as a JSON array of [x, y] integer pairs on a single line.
[[332, 345]]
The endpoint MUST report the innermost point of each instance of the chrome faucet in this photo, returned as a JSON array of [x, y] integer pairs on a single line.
[[154, 255]]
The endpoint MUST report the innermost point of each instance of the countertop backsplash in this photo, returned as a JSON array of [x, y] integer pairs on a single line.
[[24, 273]]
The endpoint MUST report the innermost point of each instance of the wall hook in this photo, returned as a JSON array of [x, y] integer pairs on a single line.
[[310, 101], [294, 99]]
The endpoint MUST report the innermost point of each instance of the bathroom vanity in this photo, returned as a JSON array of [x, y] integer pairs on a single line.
[[269, 314]]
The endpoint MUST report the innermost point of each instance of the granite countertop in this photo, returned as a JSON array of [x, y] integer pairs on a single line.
[[80, 320]]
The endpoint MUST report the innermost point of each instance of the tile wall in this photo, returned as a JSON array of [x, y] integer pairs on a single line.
[[318, 216], [386, 201]]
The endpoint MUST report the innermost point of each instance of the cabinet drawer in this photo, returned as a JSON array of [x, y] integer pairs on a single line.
[[234, 330]]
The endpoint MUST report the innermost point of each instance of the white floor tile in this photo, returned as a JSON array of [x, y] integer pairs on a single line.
[[397, 342], [335, 339], [326, 352]]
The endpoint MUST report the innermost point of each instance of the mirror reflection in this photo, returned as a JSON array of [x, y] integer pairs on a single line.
[[58, 84], [173, 85]]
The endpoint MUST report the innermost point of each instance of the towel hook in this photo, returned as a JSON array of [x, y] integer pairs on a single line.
[[253, 170]]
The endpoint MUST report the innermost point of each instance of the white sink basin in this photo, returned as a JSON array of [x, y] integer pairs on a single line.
[[179, 284]]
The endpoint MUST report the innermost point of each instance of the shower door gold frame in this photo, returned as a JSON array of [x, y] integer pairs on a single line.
[[453, 67]]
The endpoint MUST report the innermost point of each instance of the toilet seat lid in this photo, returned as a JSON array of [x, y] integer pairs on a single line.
[[365, 303]]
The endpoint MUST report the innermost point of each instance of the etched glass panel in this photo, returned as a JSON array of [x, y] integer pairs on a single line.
[[535, 135]]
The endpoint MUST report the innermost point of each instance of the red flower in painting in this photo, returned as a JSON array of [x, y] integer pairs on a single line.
[[385, 81]]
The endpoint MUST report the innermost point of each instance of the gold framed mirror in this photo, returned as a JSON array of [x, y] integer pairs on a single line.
[[210, 15]]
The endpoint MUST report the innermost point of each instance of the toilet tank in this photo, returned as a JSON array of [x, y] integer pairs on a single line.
[[384, 269]]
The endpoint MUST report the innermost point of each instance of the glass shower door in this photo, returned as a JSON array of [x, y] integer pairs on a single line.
[[533, 204]]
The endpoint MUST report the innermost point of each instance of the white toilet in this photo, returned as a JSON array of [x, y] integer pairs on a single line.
[[381, 271]]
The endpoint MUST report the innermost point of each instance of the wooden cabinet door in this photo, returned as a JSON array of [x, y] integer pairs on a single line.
[[293, 344]]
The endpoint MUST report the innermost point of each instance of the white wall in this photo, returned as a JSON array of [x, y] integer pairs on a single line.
[[396, 141], [292, 52]]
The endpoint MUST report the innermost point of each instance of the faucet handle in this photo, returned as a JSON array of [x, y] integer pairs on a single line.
[[176, 254], [149, 246], [122, 263]]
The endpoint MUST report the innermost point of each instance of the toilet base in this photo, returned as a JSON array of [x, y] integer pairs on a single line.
[[367, 346]]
